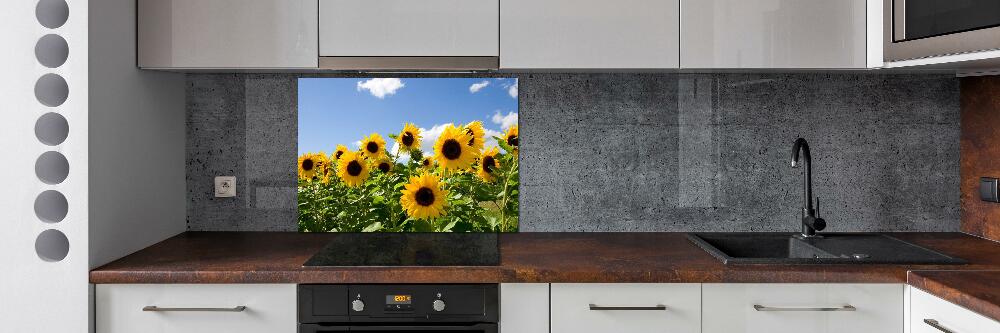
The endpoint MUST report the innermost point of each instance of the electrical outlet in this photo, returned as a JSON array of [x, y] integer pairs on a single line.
[[225, 187]]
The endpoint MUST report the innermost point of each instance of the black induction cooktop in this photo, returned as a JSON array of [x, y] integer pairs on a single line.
[[409, 249]]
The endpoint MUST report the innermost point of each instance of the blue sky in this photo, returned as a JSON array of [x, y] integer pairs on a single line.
[[344, 110]]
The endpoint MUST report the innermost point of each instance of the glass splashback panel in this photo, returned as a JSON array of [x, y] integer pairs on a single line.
[[408, 155]]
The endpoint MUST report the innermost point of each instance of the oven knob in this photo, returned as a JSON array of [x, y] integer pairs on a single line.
[[438, 305], [358, 305]]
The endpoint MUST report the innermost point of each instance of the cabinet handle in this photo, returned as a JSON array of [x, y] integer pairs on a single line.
[[759, 307], [657, 307], [159, 309], [935, 324]]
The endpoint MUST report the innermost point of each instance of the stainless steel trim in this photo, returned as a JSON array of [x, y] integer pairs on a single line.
[[658, 307], [154, 308], [848, 307], [410, 63], [935, 324], [957, 43]]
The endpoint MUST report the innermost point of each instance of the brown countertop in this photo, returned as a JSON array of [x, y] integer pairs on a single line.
[[276, 257], [269, 257], [975, 290]]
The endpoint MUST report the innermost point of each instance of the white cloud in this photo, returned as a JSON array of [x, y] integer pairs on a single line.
[[490, 134], [505, 121], [512, 90], [401, 158], [381, 87], [476, 87]]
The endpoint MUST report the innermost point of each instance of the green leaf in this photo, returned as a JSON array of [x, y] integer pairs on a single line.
[[373, 227]]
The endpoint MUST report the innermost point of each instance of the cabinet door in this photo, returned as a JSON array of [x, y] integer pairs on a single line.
[[802, 308], [626, 307], [589, 34], [773, 34], [930, 314], [524, 308], [408, 28], [269, 308], [228, 34]]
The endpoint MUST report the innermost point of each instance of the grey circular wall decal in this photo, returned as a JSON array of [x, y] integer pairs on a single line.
[[51, 90], [51, 206], [51, 129], [52, 13], [51, 51], [52, 167], [52, 245]]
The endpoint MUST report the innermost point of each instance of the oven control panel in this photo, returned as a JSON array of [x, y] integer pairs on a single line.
[[398, 303]]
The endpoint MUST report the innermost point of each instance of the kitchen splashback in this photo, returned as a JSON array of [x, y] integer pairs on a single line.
[[639, 152]]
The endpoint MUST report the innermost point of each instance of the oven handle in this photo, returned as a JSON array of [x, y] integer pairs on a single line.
[[485, 328], [314, 328]]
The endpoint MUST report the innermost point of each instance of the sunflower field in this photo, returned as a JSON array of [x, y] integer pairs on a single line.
[[463, 186]]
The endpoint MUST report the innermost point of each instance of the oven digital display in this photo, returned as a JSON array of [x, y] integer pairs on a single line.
[[398, 299]]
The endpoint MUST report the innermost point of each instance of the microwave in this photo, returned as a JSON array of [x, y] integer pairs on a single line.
[[915, 29]]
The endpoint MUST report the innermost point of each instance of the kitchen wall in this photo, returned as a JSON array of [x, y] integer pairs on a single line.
[[980, 153], [640, 152]]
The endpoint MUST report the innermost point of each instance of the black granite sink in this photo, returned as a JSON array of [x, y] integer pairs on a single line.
[[832, 248]]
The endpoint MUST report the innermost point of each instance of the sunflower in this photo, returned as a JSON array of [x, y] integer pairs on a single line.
[[373, 146], [512, 138], [475, 130], [409, 138], [310, 165], [323, 169], [352, 169], [423, 197], [341, 149], [452, 150], [427, 162], [488, 163], [384, 165]]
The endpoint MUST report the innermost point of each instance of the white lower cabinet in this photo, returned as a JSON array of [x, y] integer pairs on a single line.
[[930, 314], [524, 308], [625, 308], [802, 308], [196, 308]]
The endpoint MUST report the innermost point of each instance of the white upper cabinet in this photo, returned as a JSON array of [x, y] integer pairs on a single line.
[[179, 34], [571, 34], [408, 28], [777, 34]]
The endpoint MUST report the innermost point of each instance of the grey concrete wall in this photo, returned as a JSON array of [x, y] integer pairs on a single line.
[[641, 152]]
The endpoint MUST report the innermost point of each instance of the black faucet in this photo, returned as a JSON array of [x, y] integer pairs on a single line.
[[810, 221]]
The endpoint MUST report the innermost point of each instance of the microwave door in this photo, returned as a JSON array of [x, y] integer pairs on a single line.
[[916, 19], [915, 29]]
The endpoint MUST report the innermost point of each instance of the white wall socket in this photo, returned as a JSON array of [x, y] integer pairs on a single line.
[[225, 187]]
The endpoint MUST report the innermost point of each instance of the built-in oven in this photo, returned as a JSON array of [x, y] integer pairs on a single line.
[[387, 308], [916, 29]]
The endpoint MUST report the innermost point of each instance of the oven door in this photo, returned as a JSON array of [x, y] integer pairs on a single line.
[[475, 328], [916, 29]]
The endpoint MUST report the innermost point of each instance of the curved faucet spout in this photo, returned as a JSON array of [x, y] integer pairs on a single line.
[[807, 188], [810, 222]]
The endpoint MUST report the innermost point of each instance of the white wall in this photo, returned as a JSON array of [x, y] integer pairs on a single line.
[[38, 295], [124, 187], [137, 186]]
